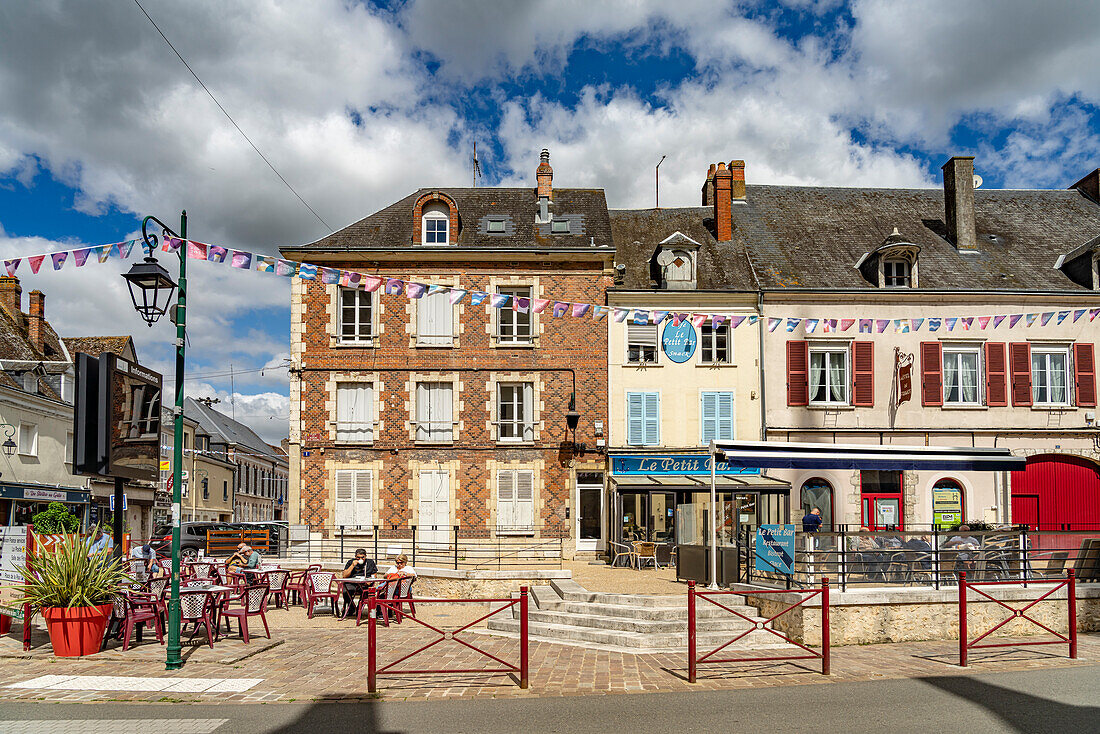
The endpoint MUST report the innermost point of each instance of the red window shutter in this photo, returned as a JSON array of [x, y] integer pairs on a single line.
[[798, 373], [863, 374], [996, 375], [1019, 363], [931, 373], [1084, 374]]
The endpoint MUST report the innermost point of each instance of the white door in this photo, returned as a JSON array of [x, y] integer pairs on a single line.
[[590, 517], [433, 524]]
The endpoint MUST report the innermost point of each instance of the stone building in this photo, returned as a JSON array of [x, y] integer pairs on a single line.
[[436, 411]]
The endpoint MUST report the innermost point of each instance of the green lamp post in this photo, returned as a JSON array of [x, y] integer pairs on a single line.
[[151, 291]]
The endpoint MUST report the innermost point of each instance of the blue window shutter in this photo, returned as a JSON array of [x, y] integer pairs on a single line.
[[652, 419], [709, 416], [725, 415], [635, 419]]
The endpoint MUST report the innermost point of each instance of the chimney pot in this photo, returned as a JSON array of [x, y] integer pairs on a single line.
[[36, 321], [723, 204], [708, 187], [11, 297], [958, 200], [544, 175], [738, 170]]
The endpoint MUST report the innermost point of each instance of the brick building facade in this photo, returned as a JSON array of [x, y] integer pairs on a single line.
[[436, 411]]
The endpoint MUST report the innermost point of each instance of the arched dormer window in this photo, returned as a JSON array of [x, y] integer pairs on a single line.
[[436, 224], [893, 264]]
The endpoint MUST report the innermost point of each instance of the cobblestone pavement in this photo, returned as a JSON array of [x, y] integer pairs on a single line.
[[324, 660]]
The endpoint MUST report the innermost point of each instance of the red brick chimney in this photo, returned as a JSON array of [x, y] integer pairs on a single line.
[[723, 204], [544, 174], [36, 321], [708, 187], [11, 297], [737, 168]]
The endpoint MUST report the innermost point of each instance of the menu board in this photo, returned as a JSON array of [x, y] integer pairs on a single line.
[[13, 556]]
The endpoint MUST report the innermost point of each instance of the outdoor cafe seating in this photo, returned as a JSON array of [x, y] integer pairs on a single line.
[[319, 587], [251, 602]]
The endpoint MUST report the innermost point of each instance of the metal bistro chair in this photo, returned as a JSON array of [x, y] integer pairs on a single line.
[[296, 584], [253, 602], [389, 592], [621, 550], [403, 597], [202, 571], [645, 551], [319, 586], [197, 608], [276, 583]]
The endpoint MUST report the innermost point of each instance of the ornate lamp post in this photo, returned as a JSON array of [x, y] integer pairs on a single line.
[[151, 291], [9, 447]]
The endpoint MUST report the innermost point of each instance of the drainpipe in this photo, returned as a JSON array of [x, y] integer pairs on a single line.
[[760, 360]]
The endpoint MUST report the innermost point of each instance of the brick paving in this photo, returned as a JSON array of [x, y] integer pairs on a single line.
[[325, 660]]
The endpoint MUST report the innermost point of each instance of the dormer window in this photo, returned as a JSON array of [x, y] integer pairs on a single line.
[[559, 226], [495, 226], [896, 273], [676, 260], [436, 220]]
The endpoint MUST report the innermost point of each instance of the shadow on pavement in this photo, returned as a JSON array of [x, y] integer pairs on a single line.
[[335, 717], [1017, 710]]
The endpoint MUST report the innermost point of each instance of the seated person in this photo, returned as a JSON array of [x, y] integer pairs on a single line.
[[101, 542], [400, 568], [920, 545], [966, 545], [869, 552], [149, 556], [245, 557], [358, 567]]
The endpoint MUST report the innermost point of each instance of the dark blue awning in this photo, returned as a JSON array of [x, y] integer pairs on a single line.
[[785, 455]]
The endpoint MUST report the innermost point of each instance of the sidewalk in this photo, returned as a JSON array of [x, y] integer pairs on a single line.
[[325, 660]]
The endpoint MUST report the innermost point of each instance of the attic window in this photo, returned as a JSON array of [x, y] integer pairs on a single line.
[[496, 226], [30, 382], [437, 224], [560, 226], [896, 273]]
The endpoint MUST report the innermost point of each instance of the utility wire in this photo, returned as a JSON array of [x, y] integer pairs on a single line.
[[230, 117]]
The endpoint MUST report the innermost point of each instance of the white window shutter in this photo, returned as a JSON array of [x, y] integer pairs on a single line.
[[528, 412], [422, 412], [345, 498], [506, 498], [635, 419], [652, 419], [364, 481], [709, 416], [525, 499]]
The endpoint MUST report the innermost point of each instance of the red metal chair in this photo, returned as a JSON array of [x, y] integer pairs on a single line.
[[253, 602], [158, 589], [202, 571], [296, 583], [166, 564], [387, 591], [319, 586], [364, 598], [276, 583], [140, 609], [403, 597], [197, 607]]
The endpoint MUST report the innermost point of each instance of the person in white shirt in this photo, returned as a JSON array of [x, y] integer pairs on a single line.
[[400, 568], [101, 542]]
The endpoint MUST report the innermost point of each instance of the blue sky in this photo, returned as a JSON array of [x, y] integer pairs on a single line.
[[358, 104]]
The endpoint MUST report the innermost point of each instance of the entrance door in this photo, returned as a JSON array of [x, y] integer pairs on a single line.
[[882, 511], [589, 516], [1025, 510], [433, 524], [1066, 490]]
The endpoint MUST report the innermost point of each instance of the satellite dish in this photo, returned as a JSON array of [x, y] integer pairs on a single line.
[[977, 181]]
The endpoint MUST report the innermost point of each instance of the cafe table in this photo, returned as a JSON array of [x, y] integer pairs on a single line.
[[219, 593], [359, 581]]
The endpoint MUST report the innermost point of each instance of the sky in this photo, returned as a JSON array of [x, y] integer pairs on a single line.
[[358, 104]]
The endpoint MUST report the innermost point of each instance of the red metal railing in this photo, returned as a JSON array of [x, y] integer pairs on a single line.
[[1017, 613], [388, 605], [694, 660]]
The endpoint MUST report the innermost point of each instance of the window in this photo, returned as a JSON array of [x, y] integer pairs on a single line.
[[560, 226], [960, 376], [829, 376], [514, 327], [436, 220], [434, 327], [28, 439], [434, 420], [716, 416], [495, 226], [354, 412], [881, 499], [69, 447], [356, 324], [225, 490], [1049, 376], [948, 503], [716, 347], [353, 497], [30, 382], [818, 493], [515, 500], [679, 271], [643, 419], [896, 274], [206, 489], [515, 412], [641, 343]]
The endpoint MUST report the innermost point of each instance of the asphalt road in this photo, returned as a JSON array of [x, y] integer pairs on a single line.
[[1062, 700]]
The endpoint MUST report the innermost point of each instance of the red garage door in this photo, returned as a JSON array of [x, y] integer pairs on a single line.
[[1057, 493]]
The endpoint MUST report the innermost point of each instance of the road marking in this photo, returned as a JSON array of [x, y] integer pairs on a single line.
[[125, 683], [115, 726]]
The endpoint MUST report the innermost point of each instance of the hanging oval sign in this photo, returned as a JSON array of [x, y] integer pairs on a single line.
[[679, 342]]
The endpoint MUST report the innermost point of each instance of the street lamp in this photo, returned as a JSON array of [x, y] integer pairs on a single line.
[[9, 446], [151, 291]]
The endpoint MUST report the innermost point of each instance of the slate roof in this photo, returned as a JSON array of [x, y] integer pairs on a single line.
[[638, 233], [223, 429], [392, 227], [97, 345], [15, 345], [811, 237]]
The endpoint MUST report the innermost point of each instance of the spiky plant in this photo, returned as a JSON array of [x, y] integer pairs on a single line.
[[70, 575]]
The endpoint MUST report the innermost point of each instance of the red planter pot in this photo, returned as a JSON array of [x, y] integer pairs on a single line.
[[77, 631], [5, 624]]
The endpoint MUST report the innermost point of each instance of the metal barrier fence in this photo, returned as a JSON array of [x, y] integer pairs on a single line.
[[929, 557], [709, 596], [388, 605], [965, 644], [225, 542], [451, 546]]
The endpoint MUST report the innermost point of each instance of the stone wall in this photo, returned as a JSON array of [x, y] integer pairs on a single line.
[[450, 584]]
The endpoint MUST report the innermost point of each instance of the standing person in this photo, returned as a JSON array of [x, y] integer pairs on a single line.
[[811, 522], [359, 567], [101, 542]]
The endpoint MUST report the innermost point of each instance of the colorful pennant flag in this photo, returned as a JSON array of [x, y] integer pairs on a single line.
[[241, 259], [1045, 318], [580, 309], [773, 323], [11, 266], [967, 322], [736, 321], [81, 256], [498, 300], [697, 320], [265, 264], [846, 324], [1030, 318], [792, 324], [1078, 314], [371, 283], [456, 295], [620, 314], [717, 320], [330, 276], [285, 268], [394, 286], [476, 297], [983, 321], [1014, 319], [124, 248], [866, 326], [881, 324], [415, 290], [307, 271], [1093, 312], [433, 289], [810, 325], [598, 312], [640, 316], [538, 305], [196, 250], [58, 259], [998, 319], [171, 244], [216, 253], [659, 317], [901, 326], [916, 324], [35, 262], [560, 309], [103, 252], [933, 324], [950, 322], [1062, 315]]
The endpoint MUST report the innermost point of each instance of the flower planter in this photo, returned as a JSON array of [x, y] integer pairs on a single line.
[[5, 624], [76, 631]]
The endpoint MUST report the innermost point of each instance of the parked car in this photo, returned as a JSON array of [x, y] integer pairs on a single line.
[[192, 538], [277, 532]]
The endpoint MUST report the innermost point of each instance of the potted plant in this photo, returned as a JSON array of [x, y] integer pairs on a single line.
[[73, 588], [55, 520]]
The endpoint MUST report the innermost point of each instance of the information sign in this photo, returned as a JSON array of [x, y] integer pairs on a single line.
[[679, 341], [13, 556], [775, 548]]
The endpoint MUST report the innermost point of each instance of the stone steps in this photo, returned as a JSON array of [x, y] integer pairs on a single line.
[[644, 626], [630, 641]]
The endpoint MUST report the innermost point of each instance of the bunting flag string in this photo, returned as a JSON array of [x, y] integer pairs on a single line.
[[244, 260]]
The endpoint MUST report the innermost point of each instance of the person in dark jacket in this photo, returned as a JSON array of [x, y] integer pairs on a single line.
[[811, 522]]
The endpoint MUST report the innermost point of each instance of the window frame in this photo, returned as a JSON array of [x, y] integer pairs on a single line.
[[515, 528], [732, 426], [631, 329], [708, 328], [358, 339], [422, 339], [343, 435], [433, 214], [956, 350], [643, 395], [355, 501], [449, 422], [559, 226], [523, 400], [847, 382], [496, 226], [515, 317], [894, 263], [32, 450], [1046, 351]]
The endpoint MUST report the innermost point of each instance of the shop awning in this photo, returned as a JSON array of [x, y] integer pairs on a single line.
[[787, 455], [723, 483]]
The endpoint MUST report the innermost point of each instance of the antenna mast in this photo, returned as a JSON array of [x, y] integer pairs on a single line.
[[477, 166]]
